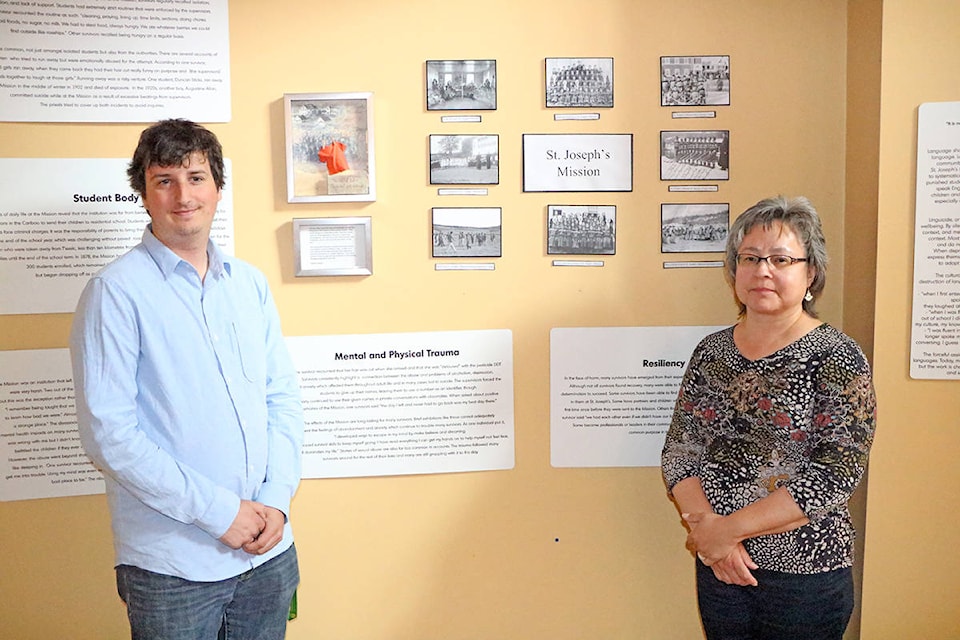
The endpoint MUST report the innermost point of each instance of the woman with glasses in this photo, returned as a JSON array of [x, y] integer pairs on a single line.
[[769, 438]]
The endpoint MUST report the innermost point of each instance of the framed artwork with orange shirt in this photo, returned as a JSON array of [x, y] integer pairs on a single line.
[[329, 147]]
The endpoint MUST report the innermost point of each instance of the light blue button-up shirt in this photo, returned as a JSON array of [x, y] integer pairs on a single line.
[[188, 402]]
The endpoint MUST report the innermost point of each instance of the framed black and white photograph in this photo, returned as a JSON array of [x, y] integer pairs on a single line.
[[329, 147], [464, 159], [694, 228], [332, 246], [467, 232], [582, 229], [579, 82], [694, 155], [461, 85], [694, 81]]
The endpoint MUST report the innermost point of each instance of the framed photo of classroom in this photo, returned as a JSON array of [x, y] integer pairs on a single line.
[[332, 246], [329, 147], [578, 82], [461, 85], [694, 81], [465, 159], [467, 232], [582, 229], [694, 155], [694, 228]]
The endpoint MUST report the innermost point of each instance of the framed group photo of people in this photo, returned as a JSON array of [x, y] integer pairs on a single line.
[[694, 155], [694, 228], [329, 147], [574, 229], [465, 159], [467, 232], [579, 82], [694, 81], [461, 85]]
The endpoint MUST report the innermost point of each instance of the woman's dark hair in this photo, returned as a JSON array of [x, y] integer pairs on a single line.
[[170, 143], [800, 217]]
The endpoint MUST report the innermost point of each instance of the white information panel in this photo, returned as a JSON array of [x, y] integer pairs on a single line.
[[110, 61], [612, 392], [40, 452], [406, 403], [935, 335]]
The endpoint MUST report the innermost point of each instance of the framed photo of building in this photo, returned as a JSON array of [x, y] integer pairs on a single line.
[[694, 155], [332, 247], [329, 147], [694, 81], [461, 85], [578, 82], [576, 229], [467, 232], [694, 228], [464, 159]]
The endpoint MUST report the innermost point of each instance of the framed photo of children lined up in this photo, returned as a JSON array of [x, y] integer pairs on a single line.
[[581, 229], [329, 147], [695, 155], [578, 82]]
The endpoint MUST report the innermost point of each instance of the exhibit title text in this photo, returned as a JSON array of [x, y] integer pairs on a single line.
[[109, 197], [663, 363], [568, 155], [396, 355]]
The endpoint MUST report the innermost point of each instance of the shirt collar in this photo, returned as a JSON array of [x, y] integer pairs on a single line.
[[167, 260]]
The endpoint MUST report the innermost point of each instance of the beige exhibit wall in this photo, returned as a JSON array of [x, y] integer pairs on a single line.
[[913, 527], [534, 552]]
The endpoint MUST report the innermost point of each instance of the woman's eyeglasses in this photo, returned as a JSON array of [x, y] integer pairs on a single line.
[[777, 262]]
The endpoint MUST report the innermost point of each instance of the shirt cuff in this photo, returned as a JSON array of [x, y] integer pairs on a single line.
[[276, 496], [221, 513]]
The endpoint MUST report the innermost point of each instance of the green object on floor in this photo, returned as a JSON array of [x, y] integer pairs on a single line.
[[292, 615]]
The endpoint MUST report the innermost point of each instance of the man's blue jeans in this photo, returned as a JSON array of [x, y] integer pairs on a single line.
[[251, 606], [784, 606]]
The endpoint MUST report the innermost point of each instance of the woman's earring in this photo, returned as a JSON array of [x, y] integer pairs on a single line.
[[809, 296]]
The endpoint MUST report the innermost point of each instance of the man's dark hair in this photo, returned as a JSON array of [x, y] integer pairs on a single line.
[[169, 143]]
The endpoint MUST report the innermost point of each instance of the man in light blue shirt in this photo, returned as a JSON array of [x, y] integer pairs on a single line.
[[188, 402]]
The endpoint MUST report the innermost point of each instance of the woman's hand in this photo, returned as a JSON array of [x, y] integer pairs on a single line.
[[718, 548], [709, 536], [736, 568]]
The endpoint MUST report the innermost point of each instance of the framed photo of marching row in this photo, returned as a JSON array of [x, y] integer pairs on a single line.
[[694, 155]]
